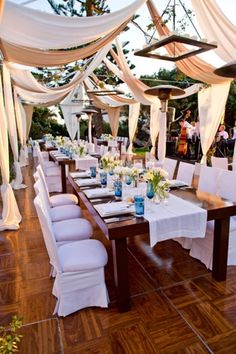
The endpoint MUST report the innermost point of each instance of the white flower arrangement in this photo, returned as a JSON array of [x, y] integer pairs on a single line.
[[110, 161], [48, 137], [158, 178]]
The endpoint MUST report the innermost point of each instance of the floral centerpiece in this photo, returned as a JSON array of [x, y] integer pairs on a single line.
[[81, 150], [109, 161], [48, 137], [107, 137], [157, 178]]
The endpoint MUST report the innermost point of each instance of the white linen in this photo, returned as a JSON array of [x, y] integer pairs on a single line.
[[37, 29], [175, 219], [216, 27], [84, 163], [80, 174], [99, 192], [87, 182], [175, 183], [117, 208]]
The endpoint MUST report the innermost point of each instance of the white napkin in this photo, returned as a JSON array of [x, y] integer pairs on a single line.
[[116, 208], [177, 183], [177, 218], [80, 174], [99, 192], [87, 182]]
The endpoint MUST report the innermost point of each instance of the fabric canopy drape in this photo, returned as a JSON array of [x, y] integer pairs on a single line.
[[10, 213], [11, 121], [216, 27], [193, 67], [21, 127], [41, 58], [133, 120], [211, 110], [38, 29], [28, 117], [114, 116], [2, 4]]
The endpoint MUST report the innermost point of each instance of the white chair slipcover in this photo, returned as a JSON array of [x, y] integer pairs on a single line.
[[185, 172], [202, 248], [169, 165], [59, 213], [56, 200], [219, 162], [209, 179], [78, 268]]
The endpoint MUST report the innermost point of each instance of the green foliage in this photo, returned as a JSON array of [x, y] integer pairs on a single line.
[[106, 127], [79, 7], [44, 123], [9, 339]]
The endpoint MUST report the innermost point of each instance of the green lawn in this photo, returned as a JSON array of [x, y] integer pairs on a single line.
[[141, 151]]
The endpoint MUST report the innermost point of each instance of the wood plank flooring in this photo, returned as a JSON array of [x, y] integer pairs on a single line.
[[176, 306]]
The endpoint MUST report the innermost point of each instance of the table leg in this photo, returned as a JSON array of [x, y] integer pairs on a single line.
[[220, 249], [63, 178], [120, 264]]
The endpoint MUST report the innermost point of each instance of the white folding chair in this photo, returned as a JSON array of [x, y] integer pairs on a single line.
[[56, 200], [219, 162], [202, 248], [209, 179], [185, 172], [169, 165], [79, 270]]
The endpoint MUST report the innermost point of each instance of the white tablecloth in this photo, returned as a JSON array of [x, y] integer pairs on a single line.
[[84, 163], [177, 218]]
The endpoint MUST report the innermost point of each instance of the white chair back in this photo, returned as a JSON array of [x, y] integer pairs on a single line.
[[185, 172], [219, 162], [105, 150], [227, 182], [42, 177], [169, 165], [209, 179], [47, 231], [40, 158], [40, 191]]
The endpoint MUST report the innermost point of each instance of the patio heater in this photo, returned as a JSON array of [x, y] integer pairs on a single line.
[[164, 93], [90, 110]]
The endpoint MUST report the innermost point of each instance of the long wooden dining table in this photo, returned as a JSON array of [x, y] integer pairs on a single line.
[[217, 209]]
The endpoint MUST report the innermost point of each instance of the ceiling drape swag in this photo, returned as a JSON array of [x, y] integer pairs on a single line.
[[193, 67], [10, 213], [11, 121], [41, 58], [114, 115], [216, 27], [211, 110], [37, 29], [2, 4]]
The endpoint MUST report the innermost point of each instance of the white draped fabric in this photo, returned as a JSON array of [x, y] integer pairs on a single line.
[[21, 127], [211, 110], [10, 213], [11, 120], [54, 96], [216, 27], [69, 109], [193, 66], [154, 124], [133, 121], [38, 29], [2, 4], [114, 116], [28, 118], [41, 58]]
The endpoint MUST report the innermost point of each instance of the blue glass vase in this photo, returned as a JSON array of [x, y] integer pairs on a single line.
[[118, 188], [150, 192], [103, 179]]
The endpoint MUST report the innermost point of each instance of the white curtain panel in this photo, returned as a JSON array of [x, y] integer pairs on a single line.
[[69, 109], [133, 121], [114, 116], [21, 127], [155, 115], [161, 150], [38, 29], [11, 122], [216, 27], [28, 117], [193, 66], [211, 105], [10, 213]]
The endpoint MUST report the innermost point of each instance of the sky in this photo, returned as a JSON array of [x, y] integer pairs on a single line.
[[136, 38]]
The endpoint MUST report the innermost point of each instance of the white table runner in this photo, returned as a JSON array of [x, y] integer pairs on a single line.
[[177, 218], [84, 163]]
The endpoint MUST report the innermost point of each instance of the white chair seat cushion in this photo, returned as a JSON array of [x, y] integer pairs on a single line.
[[53, 171], [65, 212], [63, 199], [72, 230], [49, 164], [82, 255]]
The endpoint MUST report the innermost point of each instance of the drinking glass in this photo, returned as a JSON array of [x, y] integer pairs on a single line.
[[103, 179], [128, 180], [93, 171], [150, 191], [118, 189], [139, 205]]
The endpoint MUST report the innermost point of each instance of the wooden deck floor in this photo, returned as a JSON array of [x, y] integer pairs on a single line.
[[176, 306]]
